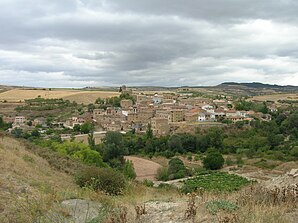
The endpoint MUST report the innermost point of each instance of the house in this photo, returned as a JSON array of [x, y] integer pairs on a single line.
[[157, 99], [208, 108], [231, 113], [126, 104], [160, 126], [19, 120], [219, 113], [192, 114], [70, 123], [206, 117], [39, 121], [176, 115], [242, 113]]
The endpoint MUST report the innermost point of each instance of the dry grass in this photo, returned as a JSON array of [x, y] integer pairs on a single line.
[[17, 95], [30, 187], [23, 176]]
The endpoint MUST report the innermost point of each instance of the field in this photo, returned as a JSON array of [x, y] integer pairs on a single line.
[[275, 97], [86, 97], [145, 169], [215, 181]]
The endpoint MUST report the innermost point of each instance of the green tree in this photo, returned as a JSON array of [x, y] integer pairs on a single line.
[[149, 132], [89, 156], [215, 137], [91, 140], [176, 169], [87, 127], [213, 161], [113, 149], [77, 128], [35, 133], [175, 144], [91, 107]]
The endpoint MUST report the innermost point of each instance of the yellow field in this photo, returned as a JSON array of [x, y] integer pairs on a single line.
[[275, 97], [17, 95]]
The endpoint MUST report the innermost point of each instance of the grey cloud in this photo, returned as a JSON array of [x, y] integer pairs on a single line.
[[154, 42]]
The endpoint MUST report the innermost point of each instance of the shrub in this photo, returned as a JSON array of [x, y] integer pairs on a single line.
[[104, 179], [215, 206], [162, 174], [213, 161], [229, 161], [148, 183], [129, 170], [197, 157], [176, 169]]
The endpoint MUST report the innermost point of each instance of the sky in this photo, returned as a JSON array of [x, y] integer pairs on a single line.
[[78, 43]]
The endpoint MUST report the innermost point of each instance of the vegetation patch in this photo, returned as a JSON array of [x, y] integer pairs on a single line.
[[107, 180], [216, 182], [221, 205]]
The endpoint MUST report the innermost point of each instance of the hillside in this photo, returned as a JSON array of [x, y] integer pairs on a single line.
[[27, 180], [254, 88], [32, 189]]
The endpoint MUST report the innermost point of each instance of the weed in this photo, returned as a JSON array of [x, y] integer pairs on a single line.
[[140, 210], [191, 211], [28, 159]]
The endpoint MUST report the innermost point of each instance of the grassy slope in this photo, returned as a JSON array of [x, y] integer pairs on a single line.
[[25, 175], [29, 185]]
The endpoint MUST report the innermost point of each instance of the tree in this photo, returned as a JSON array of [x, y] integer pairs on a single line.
[[2, 124], [175, 144], [91, 107], [91, 140], [176, 169], [215, 137], [213, 161], [113, 149], [35, 133], [149, 132], [89, 156], [87, 127], [77, 128]]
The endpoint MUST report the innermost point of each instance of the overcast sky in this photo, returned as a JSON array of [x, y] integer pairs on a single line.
[[77, 43]]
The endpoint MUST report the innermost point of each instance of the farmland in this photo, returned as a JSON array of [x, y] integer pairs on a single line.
[[86, 97], [275, 97], [215, 181]]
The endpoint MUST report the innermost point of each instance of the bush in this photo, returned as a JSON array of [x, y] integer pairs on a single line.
[[229, 161], [104, 179], [176, 169], [129, 170], [148, 183], [162, 174], [215, 206], [213, 161]]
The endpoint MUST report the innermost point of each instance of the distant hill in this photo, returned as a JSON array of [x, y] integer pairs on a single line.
[[259, 85], [254, 88]]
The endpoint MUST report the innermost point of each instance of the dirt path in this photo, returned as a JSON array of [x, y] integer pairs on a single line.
[[145, 169]]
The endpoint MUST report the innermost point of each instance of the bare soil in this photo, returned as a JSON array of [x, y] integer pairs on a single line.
[[145, 169]]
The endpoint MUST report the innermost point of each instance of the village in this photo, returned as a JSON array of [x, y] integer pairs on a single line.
[[165, 112]]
